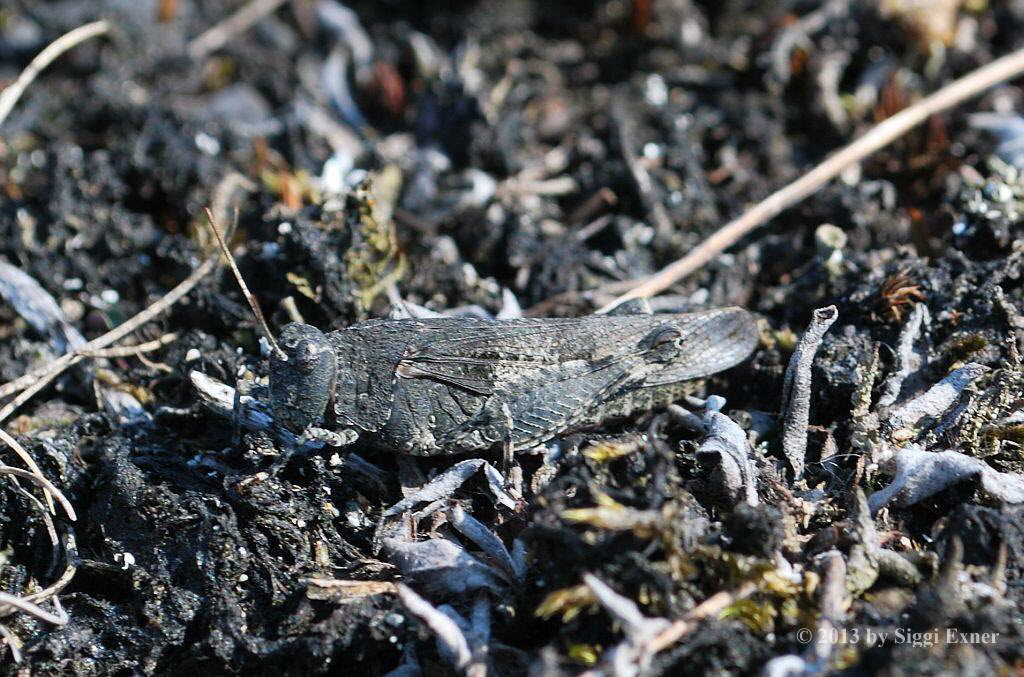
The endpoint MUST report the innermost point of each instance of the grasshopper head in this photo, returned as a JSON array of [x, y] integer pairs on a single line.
[[301, 376]]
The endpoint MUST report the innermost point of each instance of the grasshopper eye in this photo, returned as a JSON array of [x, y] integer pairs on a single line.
[[663, 344], [665, 337]]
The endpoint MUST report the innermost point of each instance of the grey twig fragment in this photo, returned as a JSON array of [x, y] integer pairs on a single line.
[[920, 474], [833, 609], [476, 531], [796, 389], [449, 635], [12, 641], [833, 591], [445, 484], [907, 360], [442, 567], [862, 568], [624, 610], [519, 558], [219, 398], [480, 621], [893, 566], [632, 657], [463, 626], [496, 483], [477, 631], [727, 440], [833, 587], [35, 305], [686, 418], [931, 405]]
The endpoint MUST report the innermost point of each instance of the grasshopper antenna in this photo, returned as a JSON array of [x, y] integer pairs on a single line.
[[245, 290]]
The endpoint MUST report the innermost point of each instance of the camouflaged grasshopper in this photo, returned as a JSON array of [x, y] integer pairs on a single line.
[[451, 385]]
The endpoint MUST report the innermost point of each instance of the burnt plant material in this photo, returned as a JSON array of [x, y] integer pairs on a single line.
[[521, 158]]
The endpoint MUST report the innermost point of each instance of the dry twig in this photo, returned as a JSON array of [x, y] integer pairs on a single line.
[[244, 287], [879, 136], [54, 369], [42, 614], [27, 460], [239, 22], [709, 607], [45, 484], [13, 92], [29, 604], [132, 351], [447, 632], [25, 380], [12, 641], [796, 389]]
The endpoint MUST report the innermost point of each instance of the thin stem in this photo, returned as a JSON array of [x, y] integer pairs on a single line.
[[45, 484], [239, 22], [28, 460], [58, 366], [33, 609], [13, 92], [245, 289], [879, 136]]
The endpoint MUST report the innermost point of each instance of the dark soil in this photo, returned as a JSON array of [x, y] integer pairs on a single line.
[[515, 129]]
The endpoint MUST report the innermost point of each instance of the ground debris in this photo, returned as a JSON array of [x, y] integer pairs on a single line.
[[498, 159]]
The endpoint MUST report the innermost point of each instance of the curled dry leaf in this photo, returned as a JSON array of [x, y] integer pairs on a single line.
[[920, 474]]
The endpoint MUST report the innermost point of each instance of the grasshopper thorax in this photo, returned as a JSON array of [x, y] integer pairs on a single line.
[[302, 376]]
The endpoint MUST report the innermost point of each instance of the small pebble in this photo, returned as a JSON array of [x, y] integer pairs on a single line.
[[207, 144]]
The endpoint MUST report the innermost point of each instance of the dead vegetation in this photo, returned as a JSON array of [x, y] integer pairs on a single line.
[[859, 477]]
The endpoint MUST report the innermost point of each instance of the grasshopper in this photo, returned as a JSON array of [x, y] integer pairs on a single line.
[[443, 386]]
